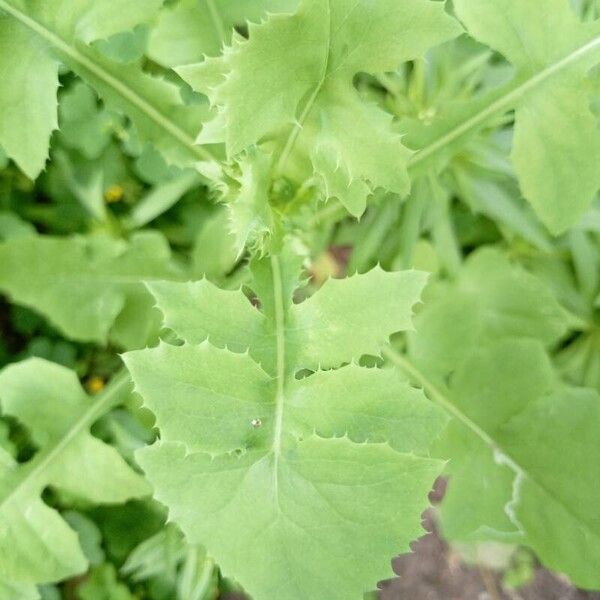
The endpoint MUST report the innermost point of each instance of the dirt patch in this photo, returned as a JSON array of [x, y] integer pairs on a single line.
[[434, 572]]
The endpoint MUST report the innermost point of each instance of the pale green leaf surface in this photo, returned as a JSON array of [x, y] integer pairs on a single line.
[[250, 218], [555, 439], [83, 125], [189, 30], [363, 404], [36, 545], [556, 152], [344, 320], [491, 299], [337, 325], [27, 104], [101, 19], [328, 496], [533, 420], [18, 591], [491, 386], [521, 441], [171, 380], [227, 317], [88, 286], [90, 20], [295, 77], [214, 254], [288, 480]]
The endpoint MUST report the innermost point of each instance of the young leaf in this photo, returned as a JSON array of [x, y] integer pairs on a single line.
[[556, 144], [36, 545], [89, 288], [276, 470], [294, 75]]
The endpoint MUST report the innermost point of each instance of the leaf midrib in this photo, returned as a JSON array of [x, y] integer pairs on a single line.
[[32, 470], [280, 369], [504, 103], [163, 122], [437, 396]]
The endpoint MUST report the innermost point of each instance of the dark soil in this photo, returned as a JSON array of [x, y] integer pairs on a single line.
[[434, 572]]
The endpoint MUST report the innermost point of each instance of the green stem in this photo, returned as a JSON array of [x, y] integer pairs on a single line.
[[504, 101], [439, 397]]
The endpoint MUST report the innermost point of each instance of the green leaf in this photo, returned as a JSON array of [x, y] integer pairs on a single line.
[[27, 104], [12, 226], [18, 591], [159, 555], [189, 30], [539, 474], [490, 300], [49, 401], [89, 288], [251, 220], [64, 33], [292, 80], [83, 125], [519, 457], [249, 459], [556, 144]]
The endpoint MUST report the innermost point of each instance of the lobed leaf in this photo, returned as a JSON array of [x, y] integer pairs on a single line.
[[189, 30], [294, 75], [276, 469]]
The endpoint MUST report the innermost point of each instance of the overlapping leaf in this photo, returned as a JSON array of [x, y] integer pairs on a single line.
[[534, 471], [556, 144], [35, 36], [274, 465], [189, 30], [520, 441], [36, 544], [292, 82], [89, 288], [491, 299]]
